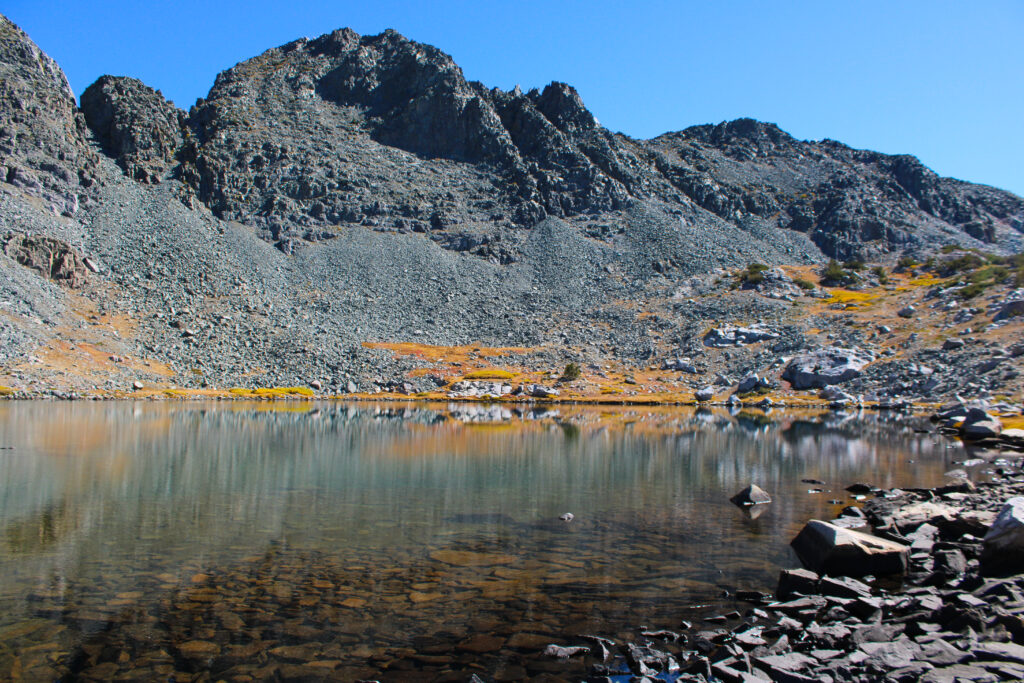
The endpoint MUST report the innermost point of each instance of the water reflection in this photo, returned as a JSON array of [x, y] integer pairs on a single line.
[[399, 541]]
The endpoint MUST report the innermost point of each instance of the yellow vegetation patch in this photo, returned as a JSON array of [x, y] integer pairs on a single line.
[[446, 353], [273, 392], [925, 281], [847, 296], [6, 391], [489, 373]]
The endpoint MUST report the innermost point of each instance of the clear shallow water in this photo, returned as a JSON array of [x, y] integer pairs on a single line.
[[399, 542]]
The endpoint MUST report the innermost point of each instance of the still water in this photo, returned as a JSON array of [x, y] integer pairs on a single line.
[[309, 541]]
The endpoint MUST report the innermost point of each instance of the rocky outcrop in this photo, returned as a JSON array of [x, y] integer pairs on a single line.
[[303, 135], [822, 367], [135, 125], [44, 151], [51, 258]]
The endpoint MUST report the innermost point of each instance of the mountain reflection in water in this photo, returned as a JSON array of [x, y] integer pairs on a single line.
[[400, 542]]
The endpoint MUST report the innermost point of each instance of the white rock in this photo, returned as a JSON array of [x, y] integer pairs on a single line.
[[1003, 549]]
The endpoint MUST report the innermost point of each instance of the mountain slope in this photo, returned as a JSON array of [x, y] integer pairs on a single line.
[[407, 204]]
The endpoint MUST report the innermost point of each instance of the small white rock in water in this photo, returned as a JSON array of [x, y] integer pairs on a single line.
[[567, 516]]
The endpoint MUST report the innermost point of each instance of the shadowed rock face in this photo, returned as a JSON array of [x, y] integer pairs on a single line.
[[135, 125], [384, 132], [43, 148]]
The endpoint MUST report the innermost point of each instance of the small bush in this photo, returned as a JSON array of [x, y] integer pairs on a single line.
[[972, 290], [906, 262], [572, 372], [803, 283], [855, 264], [883, 277], [960, 264], [754, 274], [833, 273]]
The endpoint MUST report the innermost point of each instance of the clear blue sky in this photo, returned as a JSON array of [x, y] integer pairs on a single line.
[[939, 79]]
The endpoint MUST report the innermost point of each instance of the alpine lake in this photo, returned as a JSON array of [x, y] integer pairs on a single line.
[[400, 542]]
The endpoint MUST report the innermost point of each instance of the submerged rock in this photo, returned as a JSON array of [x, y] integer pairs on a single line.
[[752, 495]]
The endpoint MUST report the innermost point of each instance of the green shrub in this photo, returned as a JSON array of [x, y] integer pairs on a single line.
[[572, 372], [804, 283], [883, 277], [855, 264], [906, 262], [833, 273], [973, 289], [753, 274], [960, 264]]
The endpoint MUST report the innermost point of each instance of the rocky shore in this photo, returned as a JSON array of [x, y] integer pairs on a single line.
[[934, 592]]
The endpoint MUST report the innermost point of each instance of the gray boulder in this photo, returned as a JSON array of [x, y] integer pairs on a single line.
[[538, 391], [829, 549], [705, 394], [1012, 307], [748, 384], [680, 364], [822, 367]]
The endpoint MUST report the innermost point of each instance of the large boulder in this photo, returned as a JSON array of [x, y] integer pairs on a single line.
[[1011, 307], [822, 367], [978, 424], [1003, 549], [705, 394], [829, 549]]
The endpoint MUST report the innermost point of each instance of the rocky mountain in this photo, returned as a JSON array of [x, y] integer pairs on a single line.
[[318, 135], [407, 203]]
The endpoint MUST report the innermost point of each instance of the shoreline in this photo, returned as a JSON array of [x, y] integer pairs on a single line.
[[956, 614]]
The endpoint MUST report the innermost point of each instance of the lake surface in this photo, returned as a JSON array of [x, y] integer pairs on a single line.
[[234, 541]]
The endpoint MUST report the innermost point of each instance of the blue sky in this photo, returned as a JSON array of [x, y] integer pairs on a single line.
[[941, 80]]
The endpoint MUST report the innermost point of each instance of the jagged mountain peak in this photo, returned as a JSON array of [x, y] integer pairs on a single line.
[[342, 130], [43, 138]]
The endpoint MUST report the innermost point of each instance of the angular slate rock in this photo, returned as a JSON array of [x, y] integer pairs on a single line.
[[828, 549], [796, 581]]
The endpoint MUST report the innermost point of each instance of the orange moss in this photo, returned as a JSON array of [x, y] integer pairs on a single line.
[[446, 353]]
